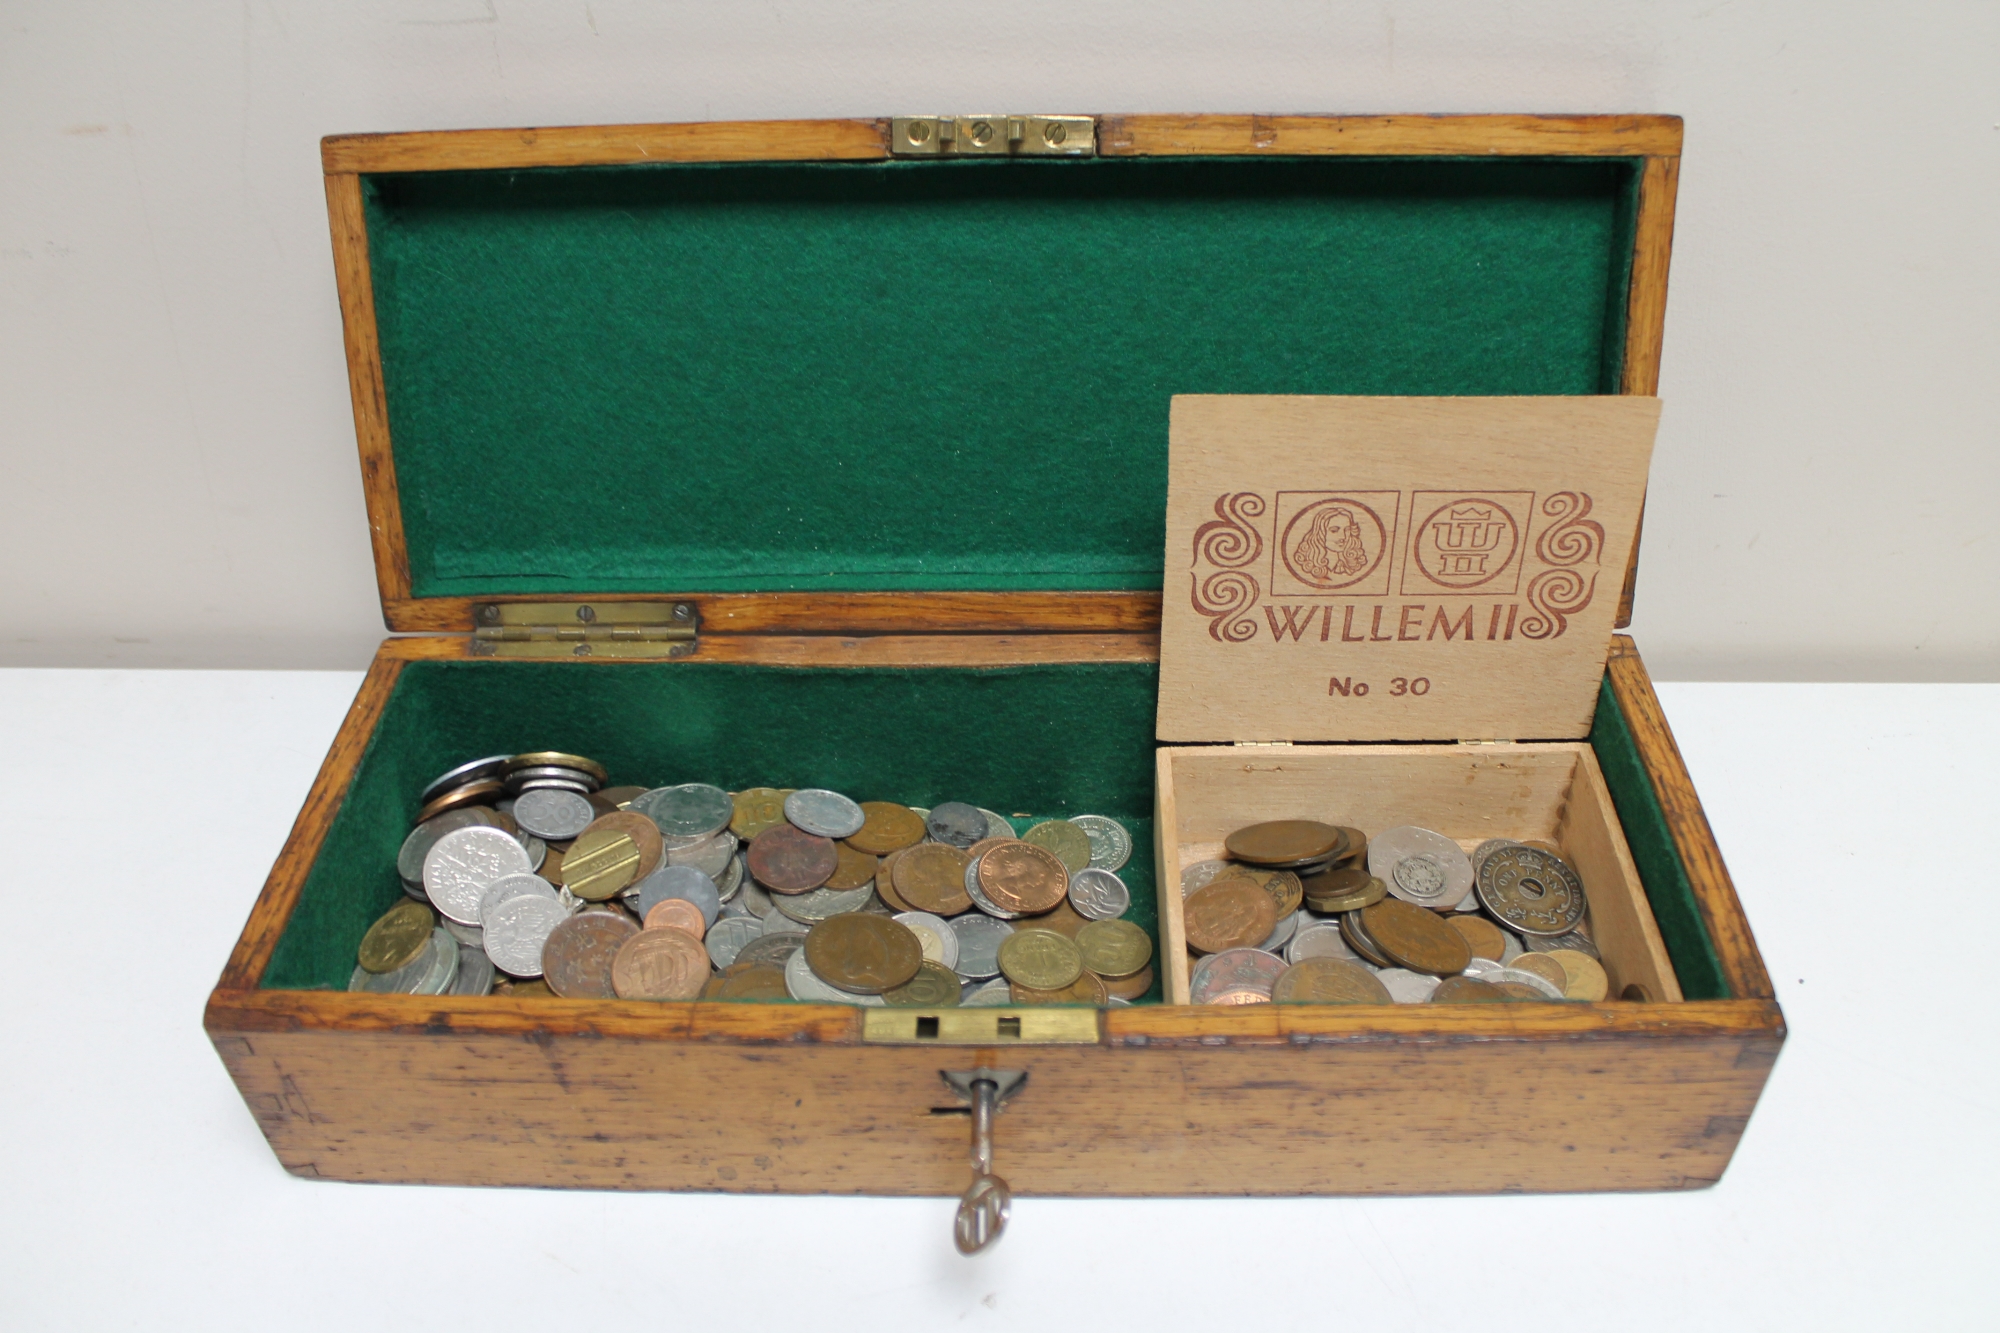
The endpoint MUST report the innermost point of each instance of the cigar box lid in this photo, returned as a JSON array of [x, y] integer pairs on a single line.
[[654, 361], [1384, 569]]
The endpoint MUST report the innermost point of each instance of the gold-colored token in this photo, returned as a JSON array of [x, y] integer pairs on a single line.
[[756, 809], [1329, 981], [1467, 990], [1416, 939], [472, 794], [1233, 912], [1129, 988], [1484, 937], [934, 987], [1070, 843], [1114, 948], [397, 937], [643, 832], [1545, 967], [526, 990], [853, 869], [1088, 988], [1039, 960], [1585, 978], [599, 864], [887, 827]]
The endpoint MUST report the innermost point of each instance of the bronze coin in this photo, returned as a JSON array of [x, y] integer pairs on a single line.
[[1587, 980], [930, 877], [600, 863], [756, 809], [551, 868], [1358, 940], [576, 961], [1114, 948], [1086, 989], [852, 869], [500, 819], [1129, 988], [619, 797], [1230, 913], [1064, 920], [1356, 849], [863, 953], [537, 989], [1373, 893], [1329, 981], [660, 965], [1342, 879], [1543, 966], [1466, 990], [711, 989], [1281, 842], [677, 914], [1285, 888], [934, 987], [1482, 935], [556, 759], [1514, 990], [885, 883], [474, 793], [887, 827], [397, 937], [1637, 994], [1415, 938], [1022, 877], [753, 983], [643, 832], [787, 859]]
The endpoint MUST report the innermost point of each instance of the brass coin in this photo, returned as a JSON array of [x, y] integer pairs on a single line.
[[930, 877], [1482, 935], [1416, 939], [1088, 989], [852, 869], [1543, 966], [556, 759], [1114, 948], [790, 860], [537, 989], [1230, 913], [1025, 877], [475, 793], [1373, 892], [887, 827], [863, 953], [677, 914], [1128, 988], [1284, 841], [762, 982], [1040, 959], [1467, 990], [711, 989], [1329, 981], [576, 961], [934, 987], [397, 937], [755, 810], [1064, 920], [1356, 934], [885, 883], [1342, 879], [1070, 843], [660, 965], [599, 864], [1585, 975], [643, 832]]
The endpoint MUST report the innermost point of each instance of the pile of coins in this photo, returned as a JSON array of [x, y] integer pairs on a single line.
[[526, 875], [1303, 912]]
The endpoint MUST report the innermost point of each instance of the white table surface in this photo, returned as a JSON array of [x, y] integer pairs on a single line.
[[141, 811]]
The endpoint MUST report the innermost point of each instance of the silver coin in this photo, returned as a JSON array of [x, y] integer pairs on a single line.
[[752, 895], [1114, 1002], [727, 937], [997, 824], [827, 813], [479, 770], [1110, 844], [771, 949], [935, 934], [731, 880], [806, 985], [680, 882], [1317, 939], [410, 860], [537, 850], [986, 995], [1479, 967], [1200, 875], [1541, 985], [444, 964], [553, 813], [920, 812], [475, 972], [551, 775], [1576, 940], [711, 856], [511, 886], [978, 895], [1385, 850], [1420, 879], [815, 907], [518, 928], [1099, 894], [463, 865], [1406, 987], [1233, 975], [1469, 903], [464, 934], [416, 891], [1281, 934], [979, 940], [959, 824], [779, 924], [691, 811], [1510, 947]]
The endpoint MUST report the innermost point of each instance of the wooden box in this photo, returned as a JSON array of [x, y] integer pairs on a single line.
[[835, 452]]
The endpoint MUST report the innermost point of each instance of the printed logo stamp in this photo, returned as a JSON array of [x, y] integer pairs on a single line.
[[1465, 540], [1333, 541]]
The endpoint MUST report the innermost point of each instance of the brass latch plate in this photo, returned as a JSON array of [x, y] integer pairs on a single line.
[[584, 629], [993, 136], [982, 1027]]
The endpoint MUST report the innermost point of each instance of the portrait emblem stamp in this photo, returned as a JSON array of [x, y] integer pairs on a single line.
[[1466, 540], [1333, 541]]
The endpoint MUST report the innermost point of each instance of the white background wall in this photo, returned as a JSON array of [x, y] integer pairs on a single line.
[[176, 451]]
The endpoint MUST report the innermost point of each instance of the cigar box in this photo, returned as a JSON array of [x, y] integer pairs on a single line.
[[837, 453]]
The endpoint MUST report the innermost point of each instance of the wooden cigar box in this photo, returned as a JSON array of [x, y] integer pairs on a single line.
[[836, 453]]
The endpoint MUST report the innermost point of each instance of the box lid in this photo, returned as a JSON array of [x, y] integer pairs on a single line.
[[1383, 569], [581, 370]]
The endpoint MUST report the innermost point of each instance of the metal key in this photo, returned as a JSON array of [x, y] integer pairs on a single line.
[[986, 1204]]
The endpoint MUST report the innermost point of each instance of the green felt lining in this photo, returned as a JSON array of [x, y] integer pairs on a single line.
[[930, 375]]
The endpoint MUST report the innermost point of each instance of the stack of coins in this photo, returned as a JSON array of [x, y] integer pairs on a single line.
[[1301, 911], [526, 875]]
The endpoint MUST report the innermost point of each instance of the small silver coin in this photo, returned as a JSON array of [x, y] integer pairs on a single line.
[[725, 940], [978, 894], [997, 824], [1110, 844], [1386, 849], [553, 813], [779, 924], [464, 934], [1235, 976], [1479, 967], [1098, 894], [518, 928], [475, 971], [752, 895], [463, 865], [410, 860], [1200, 875], [772, 949], [561, 775], [512, 886], [1317, 939], [957, 823], [1281, 934], [731, 880], [1546, 988], [1421, 878], [920, 812], [827, 813], [680, 882], [711, 856], [820, 904], [936, 936], [537, 850], [690, 812], [986, 995], [807, 985], [1406, 987], [1510, 947], [979, 940], [479, 770], [444, 964]]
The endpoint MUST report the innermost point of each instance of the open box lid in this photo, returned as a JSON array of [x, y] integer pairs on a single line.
[[771, 365]]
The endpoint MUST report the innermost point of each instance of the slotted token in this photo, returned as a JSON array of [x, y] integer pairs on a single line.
[[643, 832], [1230, 913], [599, 864], [863, 953], [1282, 842]]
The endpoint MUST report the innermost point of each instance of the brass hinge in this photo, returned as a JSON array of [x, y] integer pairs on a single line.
[[982, 1027], [993, 136], [1262, 745], [583, 629]]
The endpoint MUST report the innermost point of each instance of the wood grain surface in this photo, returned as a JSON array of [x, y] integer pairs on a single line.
[[1392, 136], [607, 145], [842, 612], [1646, 313]]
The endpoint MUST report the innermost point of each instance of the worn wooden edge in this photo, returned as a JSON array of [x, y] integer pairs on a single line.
[[1715, 893], [835, 612], [806, 650], [347, 220], [1172, 923], [1589, 784], [273, 908], [1397, 135], [1646, 315], [608, 145], [1308, 1024]]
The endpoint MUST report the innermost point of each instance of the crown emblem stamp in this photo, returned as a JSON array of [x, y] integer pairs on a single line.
[[1466, 540]]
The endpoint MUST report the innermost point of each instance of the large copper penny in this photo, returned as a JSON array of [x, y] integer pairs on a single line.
[[1486, 939], [643, 832], [1329, 981], [761, 982], [853, 869], [930, 877], [1416, 939], [1282, 842], [863, 953], [1088, 988], [885, 883], [1022, 877], [790, 860], [886, 827], [576, 961], [1467, 990], [677, 914], [660, 965], [1231, 913]]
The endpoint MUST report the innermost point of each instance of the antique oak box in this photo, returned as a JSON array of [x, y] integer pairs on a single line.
[[837, 453]]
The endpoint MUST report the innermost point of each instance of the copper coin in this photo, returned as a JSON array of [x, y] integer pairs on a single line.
[[1064, 920], [500, 819], [886, 827], [762, 982], [1231, 913], [1086, 989], [475, 793], [556, 759], [1329, 981], [1284, 841], [619, 797], [552, 862], [1484, 937], [1285, 888], [576, 961], [600, 863], [1466, 990], [863, 953], [852, 869], [524, 990], [756, 809], [660, 965], [930, 877], [790, 860], [643, 832], [677, 914], [1022, 877], [1416, 939], [1356, 849], [1358, 939], [885, 883], [1342, 879]]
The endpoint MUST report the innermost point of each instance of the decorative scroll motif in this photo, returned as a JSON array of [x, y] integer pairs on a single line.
[[1574, 537], [1230, 542], [1556, 595]]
